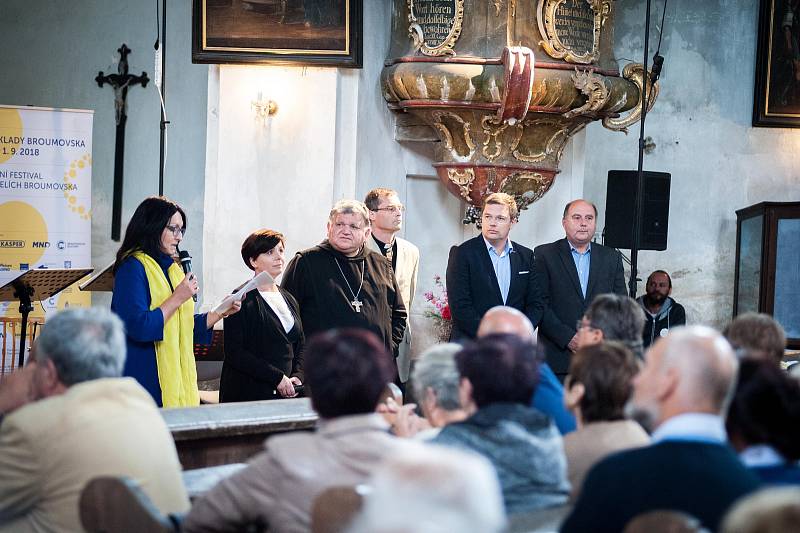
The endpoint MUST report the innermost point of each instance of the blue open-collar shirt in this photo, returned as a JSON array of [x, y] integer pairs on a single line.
[[502, 266], [583, 262]]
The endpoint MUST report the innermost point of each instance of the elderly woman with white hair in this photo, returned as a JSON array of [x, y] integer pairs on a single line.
[[435, 383], [432, 490]]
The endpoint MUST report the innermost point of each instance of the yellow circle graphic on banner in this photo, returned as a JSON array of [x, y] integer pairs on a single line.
[[83, 164], [25, 241], [10, 133]]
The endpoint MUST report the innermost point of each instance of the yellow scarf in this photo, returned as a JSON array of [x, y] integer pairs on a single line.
[[177, 373]]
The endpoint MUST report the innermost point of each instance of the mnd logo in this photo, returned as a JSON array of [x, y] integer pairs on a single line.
[[12, 244]]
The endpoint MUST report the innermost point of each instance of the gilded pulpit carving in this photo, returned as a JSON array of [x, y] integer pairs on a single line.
[[505, 84]]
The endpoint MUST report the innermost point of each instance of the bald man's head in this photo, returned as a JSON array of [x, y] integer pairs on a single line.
[[503, 319], [691, 370]]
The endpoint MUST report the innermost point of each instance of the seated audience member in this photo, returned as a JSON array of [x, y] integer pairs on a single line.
[[77, 420], [432, 490], [756, 335], [435, 383], [599, 384], [346, 372], [611, 317], [683, 391], [549, 395], [661, 311], [770, 510], [498, 377], [764, 421]]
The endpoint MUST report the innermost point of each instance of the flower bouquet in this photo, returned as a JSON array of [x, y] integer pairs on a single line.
[[439, 310]]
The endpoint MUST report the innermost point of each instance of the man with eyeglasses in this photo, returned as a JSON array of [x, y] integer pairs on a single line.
[[386, 219], [490, 270], [341, 283], [569, 273]]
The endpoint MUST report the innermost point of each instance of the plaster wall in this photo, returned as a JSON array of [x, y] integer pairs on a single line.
[[333, 138], [701, 127], [52, 52]]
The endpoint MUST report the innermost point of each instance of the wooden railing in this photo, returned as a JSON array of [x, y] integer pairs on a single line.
[[9, 346]]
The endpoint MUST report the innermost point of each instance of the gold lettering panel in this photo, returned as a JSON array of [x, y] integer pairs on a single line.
[[435, 25], [571, 28]]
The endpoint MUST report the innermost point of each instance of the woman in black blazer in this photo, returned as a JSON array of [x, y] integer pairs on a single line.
[[264, 341]]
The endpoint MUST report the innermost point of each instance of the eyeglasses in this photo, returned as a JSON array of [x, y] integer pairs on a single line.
[[176, 230], [392, 208]]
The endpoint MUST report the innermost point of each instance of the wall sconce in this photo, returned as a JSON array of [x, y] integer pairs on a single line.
[[264, 108]]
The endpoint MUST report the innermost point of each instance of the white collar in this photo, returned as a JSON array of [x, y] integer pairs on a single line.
[[761, 455], [702, 427]]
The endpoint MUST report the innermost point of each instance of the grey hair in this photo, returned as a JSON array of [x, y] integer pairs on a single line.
[[436, 368], [706, 361], [83, 344], [620, 318], [432, 489], [349, 207]]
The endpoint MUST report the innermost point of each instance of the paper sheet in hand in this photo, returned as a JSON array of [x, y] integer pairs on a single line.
[[262, 279]]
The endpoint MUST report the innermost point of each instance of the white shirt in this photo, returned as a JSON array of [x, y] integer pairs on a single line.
[[692, 426], [278, 304]]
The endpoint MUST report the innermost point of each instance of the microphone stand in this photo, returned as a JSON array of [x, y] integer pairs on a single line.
[[163, 123], [637, 211]]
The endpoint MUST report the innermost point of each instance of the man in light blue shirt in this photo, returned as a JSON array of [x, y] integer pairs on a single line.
[[569, 273], [490, 270]]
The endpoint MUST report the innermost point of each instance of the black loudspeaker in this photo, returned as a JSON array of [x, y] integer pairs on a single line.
[[620, 204]]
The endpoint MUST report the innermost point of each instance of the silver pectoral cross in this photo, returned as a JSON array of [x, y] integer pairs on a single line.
[[356, 303]]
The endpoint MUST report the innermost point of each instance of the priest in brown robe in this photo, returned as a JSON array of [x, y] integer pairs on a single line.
[[341, 283]]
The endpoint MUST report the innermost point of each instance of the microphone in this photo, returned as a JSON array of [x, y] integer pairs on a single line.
[[186, 264], [655, 70]]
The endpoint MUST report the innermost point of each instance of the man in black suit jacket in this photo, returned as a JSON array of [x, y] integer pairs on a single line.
[[490, 270], [568, 274], [682, 393]]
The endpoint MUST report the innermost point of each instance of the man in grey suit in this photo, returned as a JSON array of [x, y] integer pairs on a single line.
[[568, 274], [386, 217]]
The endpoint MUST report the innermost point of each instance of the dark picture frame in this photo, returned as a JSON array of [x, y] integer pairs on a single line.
[[302, 32], [777, 87]]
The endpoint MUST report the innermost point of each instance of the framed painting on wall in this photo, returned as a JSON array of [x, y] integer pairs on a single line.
[[777, 87], [309, 32]]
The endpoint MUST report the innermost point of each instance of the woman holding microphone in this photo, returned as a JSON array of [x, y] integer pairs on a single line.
[[263, 343], [153, 297]]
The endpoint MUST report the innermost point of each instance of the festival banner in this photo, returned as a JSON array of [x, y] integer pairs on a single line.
[[45, 202]]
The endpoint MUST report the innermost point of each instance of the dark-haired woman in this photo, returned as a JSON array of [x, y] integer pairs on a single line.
[[599, 384], [153, 297], [263, 342], [763, 421]]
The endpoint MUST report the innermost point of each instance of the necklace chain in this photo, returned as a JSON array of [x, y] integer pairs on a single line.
[[360, 285]]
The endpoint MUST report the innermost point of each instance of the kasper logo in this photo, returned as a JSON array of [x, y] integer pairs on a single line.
[[40, 244], [12, 244]]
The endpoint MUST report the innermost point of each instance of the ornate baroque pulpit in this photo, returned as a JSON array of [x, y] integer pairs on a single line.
[[505, 84]]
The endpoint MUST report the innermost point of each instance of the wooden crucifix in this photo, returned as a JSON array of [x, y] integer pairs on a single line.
[[120, 83]]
